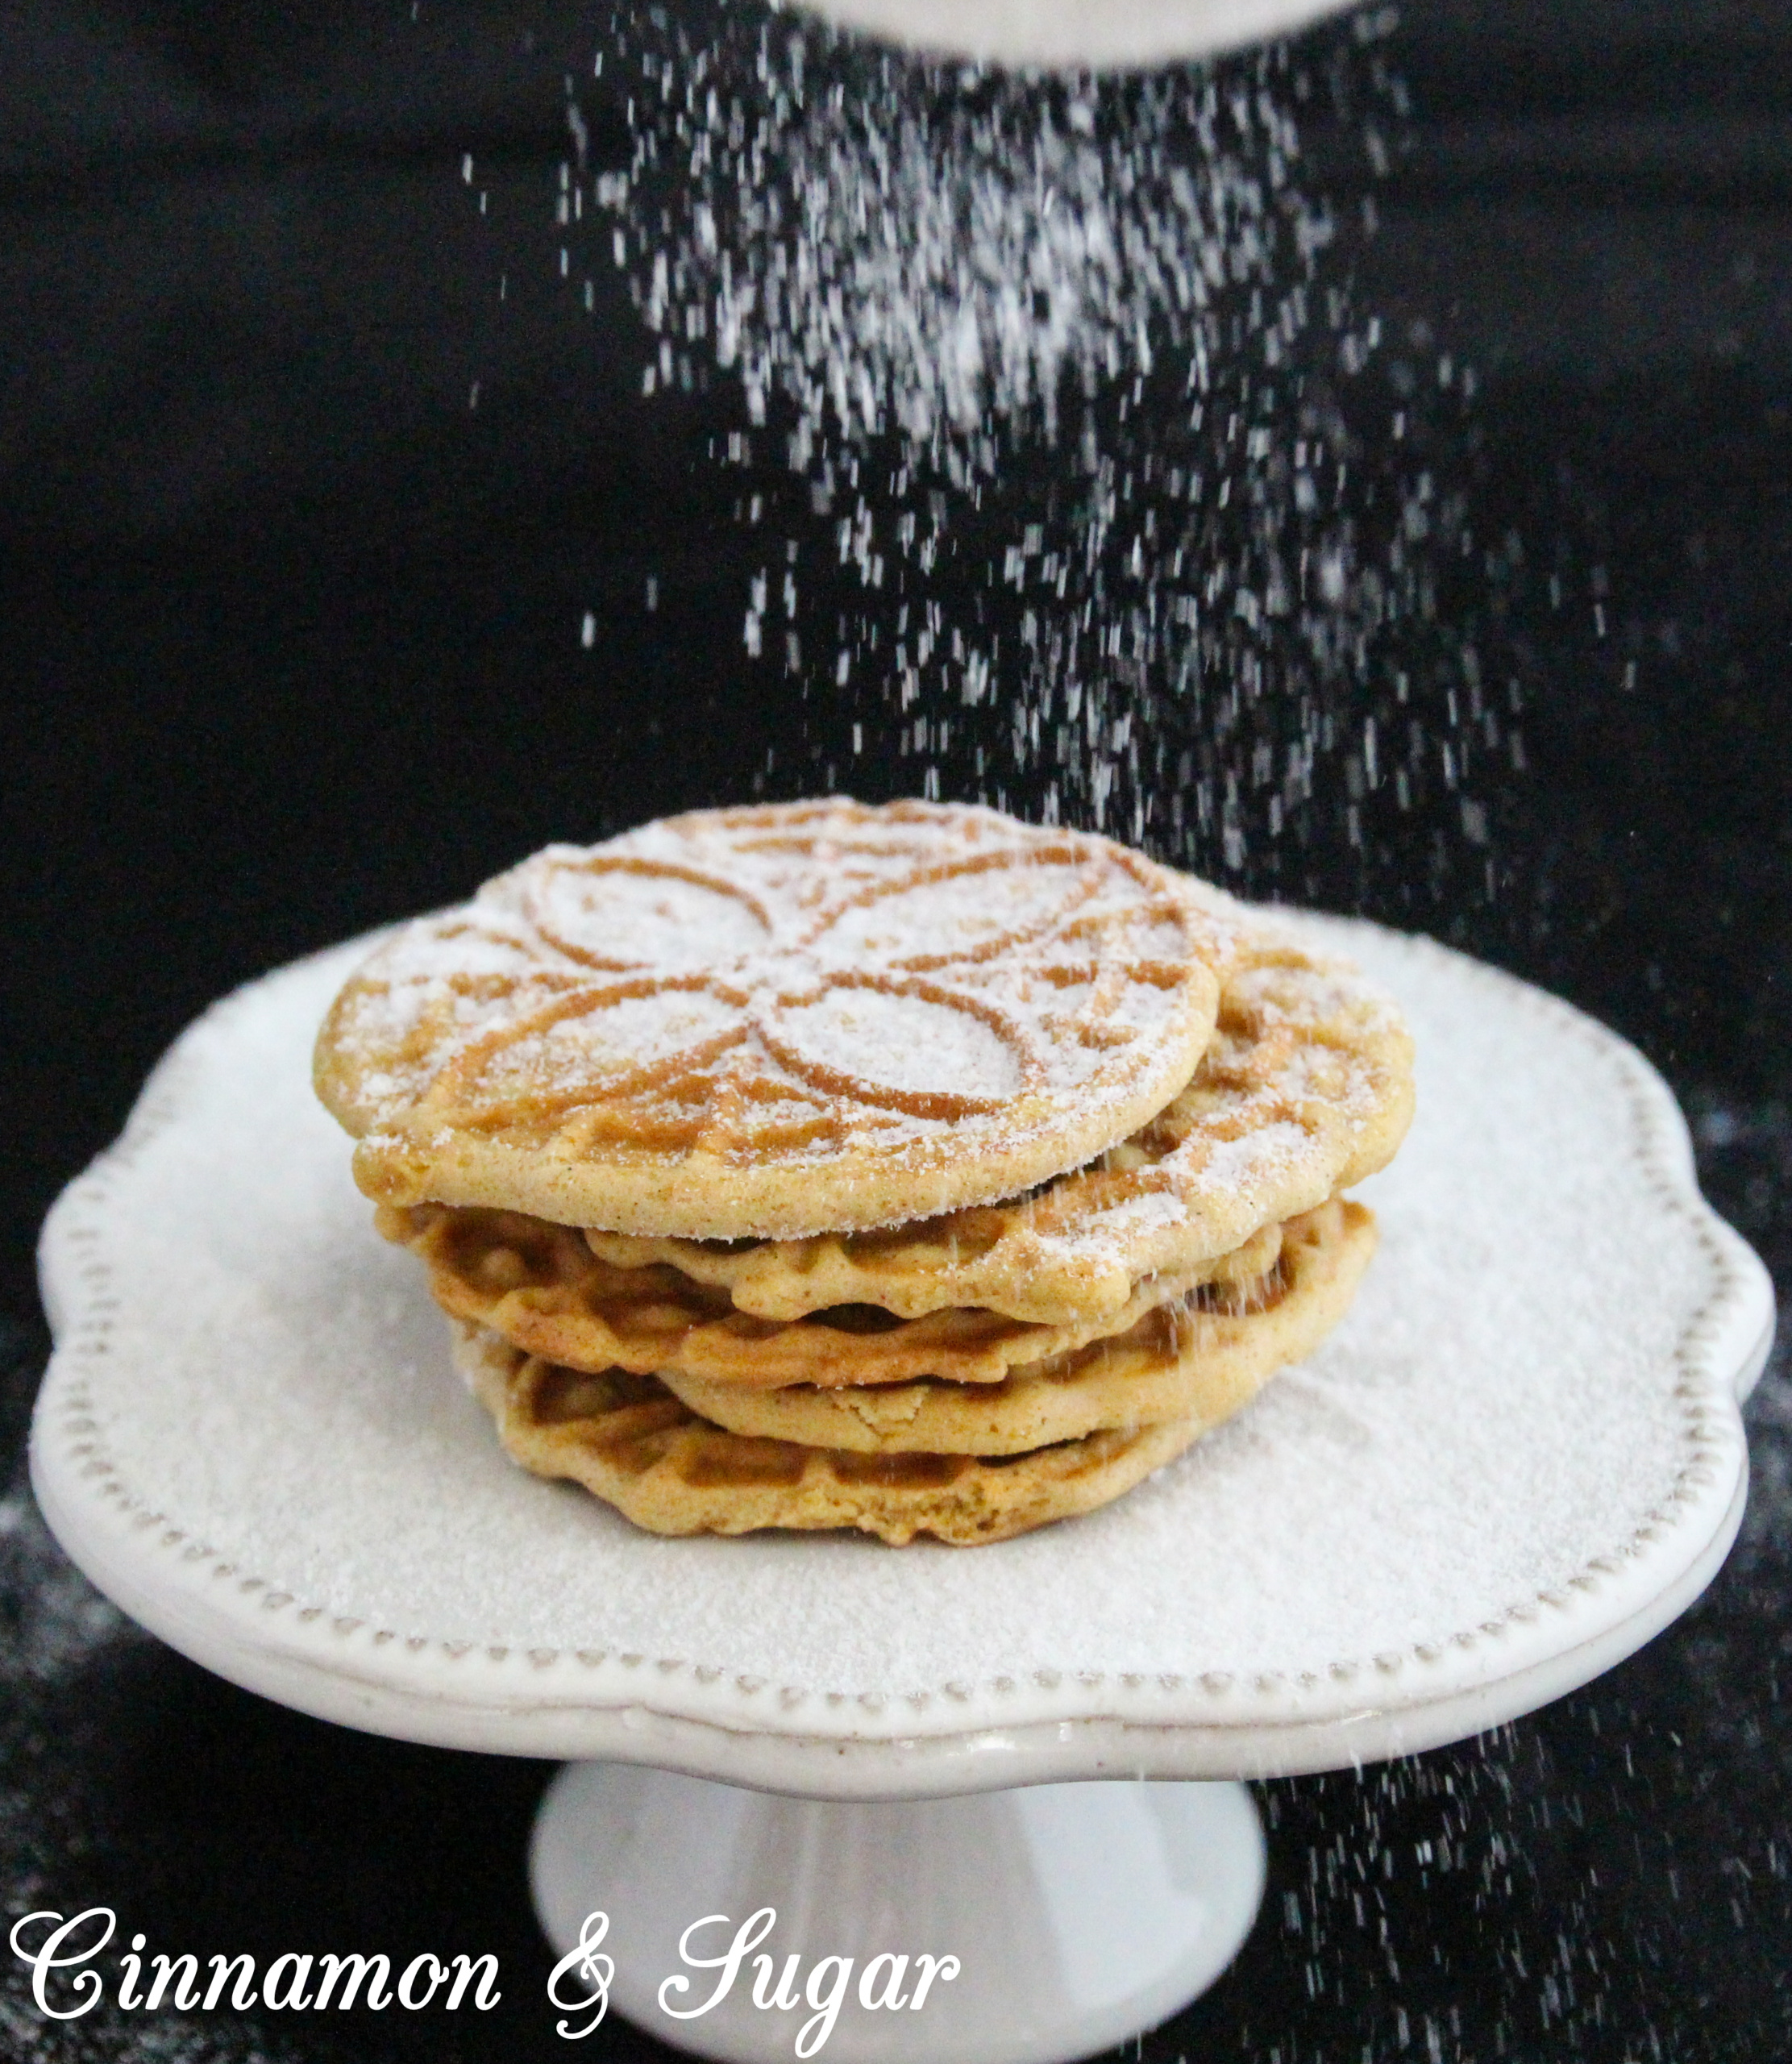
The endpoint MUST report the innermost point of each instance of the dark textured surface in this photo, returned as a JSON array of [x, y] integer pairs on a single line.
[[289, 645]]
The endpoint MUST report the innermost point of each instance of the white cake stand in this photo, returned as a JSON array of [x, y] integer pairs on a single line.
[[1520, 1457]]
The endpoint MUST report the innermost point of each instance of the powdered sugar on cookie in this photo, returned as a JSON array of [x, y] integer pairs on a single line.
[[766, 1022]]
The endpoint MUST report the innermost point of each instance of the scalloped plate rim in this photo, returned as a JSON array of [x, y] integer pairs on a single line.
[[718, 1724]]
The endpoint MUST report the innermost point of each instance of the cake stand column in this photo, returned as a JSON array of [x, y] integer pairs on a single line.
[[1060, 1918]]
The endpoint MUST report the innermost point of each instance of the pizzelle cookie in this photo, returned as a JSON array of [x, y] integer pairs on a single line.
[[1305, 1089], [628, 1440], [908, 1170], [543, 1288], [777, 1022], [1198, 1361]]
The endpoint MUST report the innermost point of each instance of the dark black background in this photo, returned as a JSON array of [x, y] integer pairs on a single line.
[[289, 644]]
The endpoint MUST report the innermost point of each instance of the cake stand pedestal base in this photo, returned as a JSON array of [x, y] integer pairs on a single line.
[[1057, 1920]]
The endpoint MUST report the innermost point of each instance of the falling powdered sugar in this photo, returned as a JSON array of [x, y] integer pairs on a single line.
[[1078, 479]]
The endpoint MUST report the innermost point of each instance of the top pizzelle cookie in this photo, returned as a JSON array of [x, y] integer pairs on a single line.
[[765, 1023]]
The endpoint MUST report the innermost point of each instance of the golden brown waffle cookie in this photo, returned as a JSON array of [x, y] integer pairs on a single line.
[[544, 1289], [627, 1439], [771, 1022], [1306, 1089], [1198, 1362]]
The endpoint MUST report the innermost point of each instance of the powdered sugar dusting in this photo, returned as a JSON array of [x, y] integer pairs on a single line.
[[1500, 1407], [809, 991], [911, 1042]]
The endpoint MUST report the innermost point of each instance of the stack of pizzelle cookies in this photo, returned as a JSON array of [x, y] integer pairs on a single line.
[[906, 1169]]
